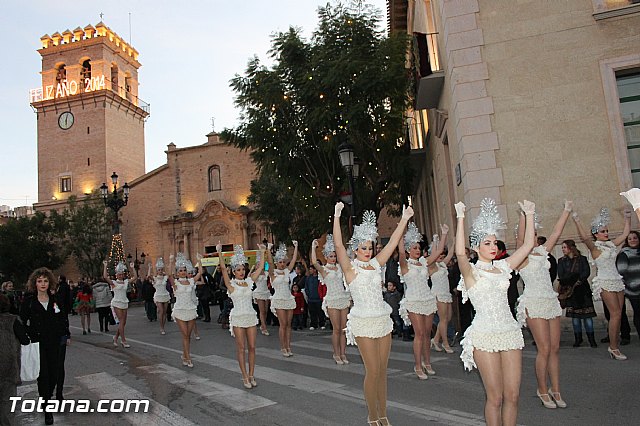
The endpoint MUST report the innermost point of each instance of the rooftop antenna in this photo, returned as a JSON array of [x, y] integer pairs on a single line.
[[213, 124]]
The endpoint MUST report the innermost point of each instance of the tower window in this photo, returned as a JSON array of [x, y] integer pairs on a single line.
[[61, 75], [86, 69], [88, 162], [214, 178], [65, 184]]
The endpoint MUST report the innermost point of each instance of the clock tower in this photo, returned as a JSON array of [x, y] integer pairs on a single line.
[[90, 118]]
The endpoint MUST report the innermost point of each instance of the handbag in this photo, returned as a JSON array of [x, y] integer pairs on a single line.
[[565, 290], [30, 362]]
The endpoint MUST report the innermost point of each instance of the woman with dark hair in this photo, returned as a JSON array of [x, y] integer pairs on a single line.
[[628, 264], [47, 324], [607, 284], [84, 305], [120, 302], [573, 273]]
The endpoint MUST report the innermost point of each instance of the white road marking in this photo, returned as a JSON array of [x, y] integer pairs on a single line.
[[105, 386], [231, 397]]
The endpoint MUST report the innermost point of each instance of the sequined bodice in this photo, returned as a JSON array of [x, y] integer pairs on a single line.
[[184, 294], [280, 284], [334, 281], [366, 292], [160, 284], [606, 262], [440, 279], [489, 298], [537, 282], [242, 297], [120, 290], [417, 281], [261, 284]]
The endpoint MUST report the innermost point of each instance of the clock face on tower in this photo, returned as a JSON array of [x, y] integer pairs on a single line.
[[65, 120]]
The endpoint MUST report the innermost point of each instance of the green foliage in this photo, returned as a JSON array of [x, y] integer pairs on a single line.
[[88, 233], [348, 83], [31, 242]]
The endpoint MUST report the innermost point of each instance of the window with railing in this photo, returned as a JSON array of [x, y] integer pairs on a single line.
[[629, 93], [603, 9]]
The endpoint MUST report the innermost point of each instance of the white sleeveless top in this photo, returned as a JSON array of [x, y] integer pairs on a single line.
[[242, 297], [366, 292], [280, 284], [160, 284]]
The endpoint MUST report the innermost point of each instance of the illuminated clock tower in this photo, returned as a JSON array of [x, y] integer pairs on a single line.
[[90, 119]]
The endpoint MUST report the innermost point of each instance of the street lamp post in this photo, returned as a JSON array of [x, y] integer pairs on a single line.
[[351, 166], [137, 262], [114, 201]]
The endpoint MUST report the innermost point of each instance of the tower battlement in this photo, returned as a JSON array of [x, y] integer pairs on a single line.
[[87, 33]]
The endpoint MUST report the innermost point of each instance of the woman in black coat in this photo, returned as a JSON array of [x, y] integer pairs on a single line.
[[628, 264], [43, 315]]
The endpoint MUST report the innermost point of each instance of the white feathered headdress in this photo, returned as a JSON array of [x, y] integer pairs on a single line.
[[281, 253], [121, 268], [366, 231], [182, 262], [488, 222], [329, 246], [602, 220], [412, 236], [238, 257], [159, 263]]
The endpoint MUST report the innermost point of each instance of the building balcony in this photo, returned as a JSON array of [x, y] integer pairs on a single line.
[[603, 9]]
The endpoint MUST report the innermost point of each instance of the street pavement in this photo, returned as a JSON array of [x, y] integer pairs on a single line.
[[310, 389]]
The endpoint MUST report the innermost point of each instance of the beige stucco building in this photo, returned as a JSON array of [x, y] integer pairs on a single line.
[[523, 100]]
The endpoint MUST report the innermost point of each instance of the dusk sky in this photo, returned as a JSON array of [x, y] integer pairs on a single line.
[[189, 51]]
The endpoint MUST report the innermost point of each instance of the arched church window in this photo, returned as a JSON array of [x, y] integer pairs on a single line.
[[114, 78], [61, 75], [86, 69], [214, 178]]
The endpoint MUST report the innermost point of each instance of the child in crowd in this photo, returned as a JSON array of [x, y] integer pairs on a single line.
[[392, 296], [298, 312]]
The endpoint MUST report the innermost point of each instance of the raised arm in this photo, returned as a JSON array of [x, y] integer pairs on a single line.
[[523, 251], [387, 251], [341, 251], [292, 263], [461, 245], [448, 257], [557, 229], [314, 258], [105, 274], [270, 261], [134, 273], [625, 232], [633, 196], [260, 266], [521, 228], [584, 236], [149, 271], [223, 269], [402, 257], [439, 249]]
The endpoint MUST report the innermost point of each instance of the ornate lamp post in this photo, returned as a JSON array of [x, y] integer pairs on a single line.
[[351, 166], [114, 201], [137, 262]]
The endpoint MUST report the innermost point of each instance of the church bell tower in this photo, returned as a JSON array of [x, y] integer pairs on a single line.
[[90, 118]]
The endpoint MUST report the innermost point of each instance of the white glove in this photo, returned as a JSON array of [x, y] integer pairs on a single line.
[[105, 263], [444, 229], [407, 213], [568, 205], [527, 207], [460, 208], [633, 196], [314, 244], [338, 209], [198, 256], [575, 216], [269, 245], [295, 243], [261, 247], [131, 265], [219, 248]]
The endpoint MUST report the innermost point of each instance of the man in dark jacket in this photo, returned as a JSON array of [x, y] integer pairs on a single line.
[[205, 294], [148, 290], [317, 318]]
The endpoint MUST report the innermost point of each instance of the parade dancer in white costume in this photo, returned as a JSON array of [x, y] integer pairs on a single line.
[[337, 300], [261, 293], [607, 284], [243, 318], [185, 309], [418, 304], [439, 274], [282, 302], [161, 296], [120, 301], [493, 343], [539, 309], [369, 322]]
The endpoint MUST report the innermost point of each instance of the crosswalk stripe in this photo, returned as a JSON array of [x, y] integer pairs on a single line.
[[284, 378], [105, 386], [231, 397], [355, 368]]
